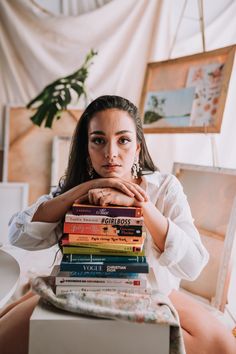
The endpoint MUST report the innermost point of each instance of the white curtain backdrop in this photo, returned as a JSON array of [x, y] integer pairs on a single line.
[[69, 7], [37, 47], [75, 7]]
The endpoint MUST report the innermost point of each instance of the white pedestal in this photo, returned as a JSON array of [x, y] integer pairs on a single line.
[[54, 331]]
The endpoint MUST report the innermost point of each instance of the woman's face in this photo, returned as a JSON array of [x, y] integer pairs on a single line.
[[112, 143]]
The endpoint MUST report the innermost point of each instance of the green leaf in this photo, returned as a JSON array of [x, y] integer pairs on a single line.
[[60, 101], [51, 114], [40, 114], [78, 89], [56, 96], [67, 97]]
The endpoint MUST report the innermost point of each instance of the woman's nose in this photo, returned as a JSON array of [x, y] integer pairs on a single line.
[[111, 151]]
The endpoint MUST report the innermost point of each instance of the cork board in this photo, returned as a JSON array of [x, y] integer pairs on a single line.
[[28, 153], [187, 94]]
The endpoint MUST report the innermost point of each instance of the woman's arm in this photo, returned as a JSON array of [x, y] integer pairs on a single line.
[[33, 235], [183, 253], [39, 227], [53, 210], [175, 239], [155, 222]]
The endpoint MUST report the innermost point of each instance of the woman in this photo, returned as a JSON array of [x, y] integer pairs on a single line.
[[109, 164]]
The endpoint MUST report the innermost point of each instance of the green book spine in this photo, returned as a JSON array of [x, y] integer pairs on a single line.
[[113, 246], [97, 251]]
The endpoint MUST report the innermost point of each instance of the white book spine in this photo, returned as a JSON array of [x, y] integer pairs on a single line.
[[101, 282], [63, 290], [105, 220]]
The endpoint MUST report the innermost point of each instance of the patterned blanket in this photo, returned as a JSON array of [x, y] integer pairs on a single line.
[[140, 308]]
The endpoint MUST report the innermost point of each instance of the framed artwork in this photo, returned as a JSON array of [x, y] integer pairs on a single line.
[[28, 148], [60, 154], [188, 94], [14, 197], [211, 194]]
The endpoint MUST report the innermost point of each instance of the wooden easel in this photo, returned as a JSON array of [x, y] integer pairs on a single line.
[[214, 152]]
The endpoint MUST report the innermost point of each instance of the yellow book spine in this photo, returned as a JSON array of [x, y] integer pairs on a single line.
[[106, 239]]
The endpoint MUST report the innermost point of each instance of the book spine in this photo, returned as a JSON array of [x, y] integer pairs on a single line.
[[106, 211], [111, 282], [102, 275], [97, 251], [64, 290], [105, 267], [96, 219], [73, 238], [113, 246], [106, 259], [103, 230]]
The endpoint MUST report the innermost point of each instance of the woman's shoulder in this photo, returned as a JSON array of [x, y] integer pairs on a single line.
[[160, 184], [159, 179]]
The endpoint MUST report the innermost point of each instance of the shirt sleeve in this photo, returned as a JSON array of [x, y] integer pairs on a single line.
[[184, 254], [30, 235]]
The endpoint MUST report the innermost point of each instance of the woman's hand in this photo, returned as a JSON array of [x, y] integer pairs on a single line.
[[131, 189], [108, 196]]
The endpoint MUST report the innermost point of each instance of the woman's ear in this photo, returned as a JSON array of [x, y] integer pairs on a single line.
[[138, 149]]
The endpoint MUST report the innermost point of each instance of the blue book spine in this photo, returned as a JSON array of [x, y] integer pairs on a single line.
[[105, 267], [77, 258], [101, 275]]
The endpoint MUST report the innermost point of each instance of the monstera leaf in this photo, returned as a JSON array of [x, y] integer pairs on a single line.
[[55, 97]]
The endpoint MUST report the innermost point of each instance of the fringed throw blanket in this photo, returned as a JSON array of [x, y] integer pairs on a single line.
[[139, 308]]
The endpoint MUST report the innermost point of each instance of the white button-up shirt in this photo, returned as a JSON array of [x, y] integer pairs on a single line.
[[184, 255]]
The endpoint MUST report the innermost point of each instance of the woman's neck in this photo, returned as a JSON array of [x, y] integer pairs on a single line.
[[137, 180]]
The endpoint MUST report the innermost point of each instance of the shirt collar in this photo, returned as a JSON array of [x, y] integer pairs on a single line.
[[150, 179]]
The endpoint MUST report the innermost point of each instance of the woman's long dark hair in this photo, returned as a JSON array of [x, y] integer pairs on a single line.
[[77, 169]]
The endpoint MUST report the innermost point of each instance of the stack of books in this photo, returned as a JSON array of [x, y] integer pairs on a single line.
[[103, 249]]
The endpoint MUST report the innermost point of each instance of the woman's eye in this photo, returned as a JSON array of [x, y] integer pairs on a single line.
[[124, 140], [98, 141]]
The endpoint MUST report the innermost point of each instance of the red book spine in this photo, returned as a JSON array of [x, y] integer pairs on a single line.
[[101, 229]]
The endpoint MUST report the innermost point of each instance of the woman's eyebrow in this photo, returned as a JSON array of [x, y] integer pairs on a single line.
[[123, 132], [100, 132]]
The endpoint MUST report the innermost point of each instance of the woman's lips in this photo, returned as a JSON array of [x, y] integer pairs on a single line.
[[111, 167]]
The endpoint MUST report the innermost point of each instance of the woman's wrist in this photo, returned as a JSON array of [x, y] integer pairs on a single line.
[[76, 192], [141, 204], [156, 223]]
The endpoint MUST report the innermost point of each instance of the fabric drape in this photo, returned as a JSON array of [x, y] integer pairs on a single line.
[[36, 48]]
